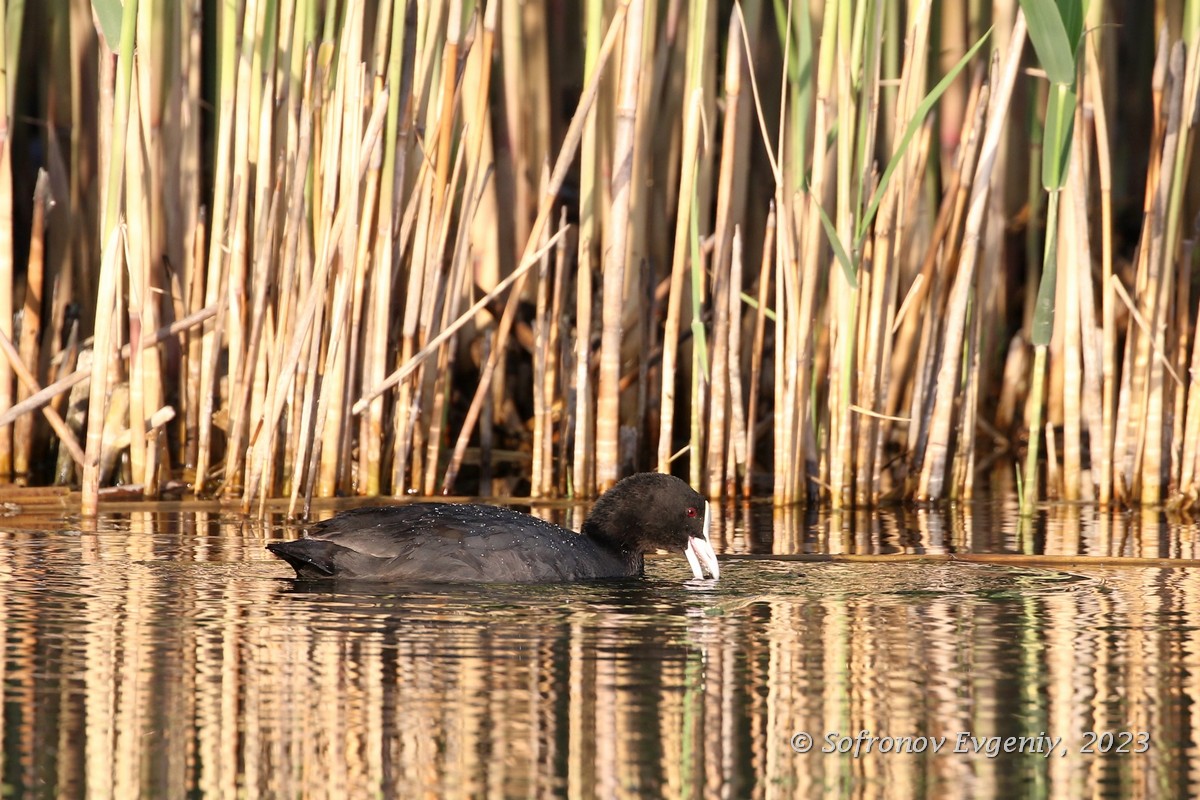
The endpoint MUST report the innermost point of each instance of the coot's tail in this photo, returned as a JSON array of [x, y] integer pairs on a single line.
[[311, 558]]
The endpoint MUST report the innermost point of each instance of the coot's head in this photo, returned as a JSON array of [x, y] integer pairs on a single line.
[[652, 511]]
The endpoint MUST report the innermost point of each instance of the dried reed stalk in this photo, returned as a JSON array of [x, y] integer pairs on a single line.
[[102, 352], [583, 461], [529, 258], [1158, 290], [884, 271], [737, 449], [67, 381], [240, 410], [1073, 257], [608, 401], [726, 292], [6, 243], [1104, 466], [756, 350], [542, 397], [29, 382], [262, 440], [438, 383], [371, 437], [1187, 491], [691, 143], [31, 325], [555, 394], [140, 302], [932, 477], [110, 266], [365, 256]]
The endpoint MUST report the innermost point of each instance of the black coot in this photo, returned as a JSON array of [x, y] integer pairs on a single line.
[[455, 543]]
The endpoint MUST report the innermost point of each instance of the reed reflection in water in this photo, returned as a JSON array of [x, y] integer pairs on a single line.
[[167, 654]]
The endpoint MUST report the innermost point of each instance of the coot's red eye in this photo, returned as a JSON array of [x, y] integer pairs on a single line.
[[691, 512]]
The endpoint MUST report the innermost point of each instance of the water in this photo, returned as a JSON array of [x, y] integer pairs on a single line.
[[167, 654]]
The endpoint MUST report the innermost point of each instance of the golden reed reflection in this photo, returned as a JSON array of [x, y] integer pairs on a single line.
[[164, 654]]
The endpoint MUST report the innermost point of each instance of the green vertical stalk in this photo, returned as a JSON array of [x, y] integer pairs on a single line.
[[1043, 326], [1055, 27]]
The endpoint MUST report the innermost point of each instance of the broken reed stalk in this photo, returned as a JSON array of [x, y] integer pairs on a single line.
[[31, 325], [66, 382], [30, 384]]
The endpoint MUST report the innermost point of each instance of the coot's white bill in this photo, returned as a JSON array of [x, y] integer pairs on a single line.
[[700, 552]]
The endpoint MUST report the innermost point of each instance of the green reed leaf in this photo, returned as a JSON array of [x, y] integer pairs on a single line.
[[108, 12]]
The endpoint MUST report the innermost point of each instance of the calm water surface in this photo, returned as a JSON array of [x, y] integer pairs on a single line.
[[167, 654]]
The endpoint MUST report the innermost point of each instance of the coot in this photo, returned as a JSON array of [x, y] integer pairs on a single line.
[[456, 543]]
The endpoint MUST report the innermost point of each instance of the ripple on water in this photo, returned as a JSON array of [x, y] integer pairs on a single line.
[[176, 656]]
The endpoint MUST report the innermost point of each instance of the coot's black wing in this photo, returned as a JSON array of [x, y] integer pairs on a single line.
[[446, 543]]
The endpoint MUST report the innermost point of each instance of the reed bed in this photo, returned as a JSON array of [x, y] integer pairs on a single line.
[[288, 248]]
